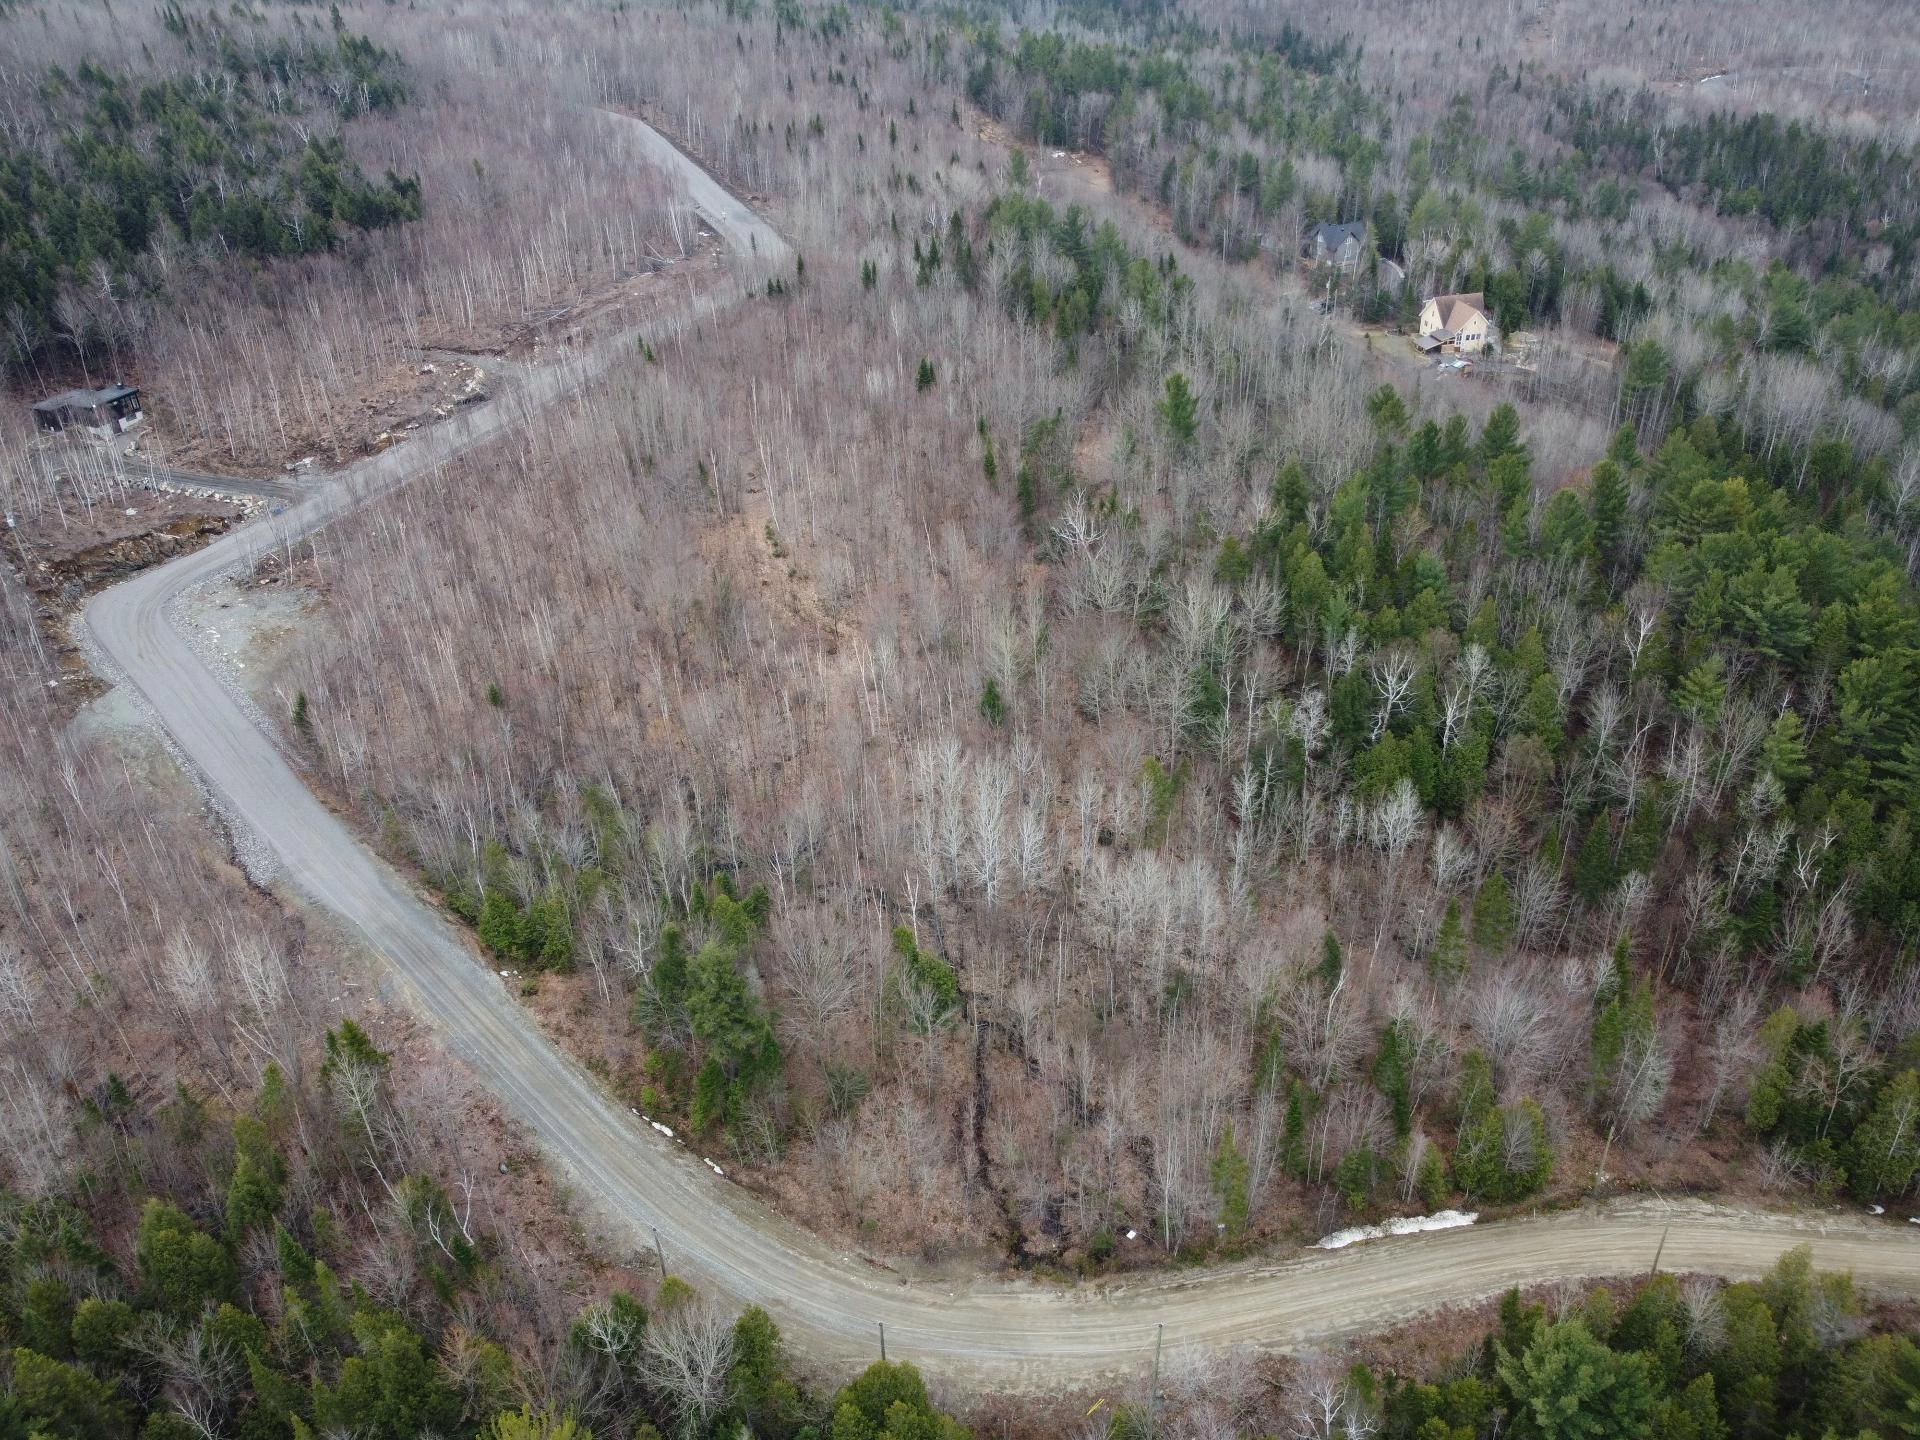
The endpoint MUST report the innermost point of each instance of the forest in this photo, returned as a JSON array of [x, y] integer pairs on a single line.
[[232, 1314], [203, 158], [1038, 735]]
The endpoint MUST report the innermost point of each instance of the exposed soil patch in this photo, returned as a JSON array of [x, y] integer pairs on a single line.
[[60, 559], [395, 402], [66, 558], [594, 316]]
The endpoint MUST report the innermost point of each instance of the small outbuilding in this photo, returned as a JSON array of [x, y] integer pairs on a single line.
[[106, 411]]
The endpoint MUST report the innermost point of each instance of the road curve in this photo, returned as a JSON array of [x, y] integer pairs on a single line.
[[979, 1334]]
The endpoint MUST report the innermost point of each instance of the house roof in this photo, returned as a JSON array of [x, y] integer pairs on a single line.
[[1456, 310], [1334, 236], [86, 399]]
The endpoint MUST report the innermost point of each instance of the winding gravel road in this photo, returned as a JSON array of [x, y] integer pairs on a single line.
[[982, 1333]]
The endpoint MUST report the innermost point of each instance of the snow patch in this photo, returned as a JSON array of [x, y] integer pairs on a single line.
[[1399, 1225], [661, 1128]]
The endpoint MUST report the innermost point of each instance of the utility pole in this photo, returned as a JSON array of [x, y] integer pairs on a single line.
[[1659, 1249], [660, 1252], [883, 1342], [1153, 1398]]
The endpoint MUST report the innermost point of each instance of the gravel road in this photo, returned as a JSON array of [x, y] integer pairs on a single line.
[[630, 1180]]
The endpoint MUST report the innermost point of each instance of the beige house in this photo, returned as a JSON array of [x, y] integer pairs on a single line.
[[1456, 322]]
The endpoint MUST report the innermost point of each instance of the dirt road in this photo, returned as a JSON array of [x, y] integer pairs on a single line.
[[629, 1180]]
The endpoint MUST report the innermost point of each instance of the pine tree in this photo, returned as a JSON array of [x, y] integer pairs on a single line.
[[1593, 875], [923, 379], [1291, 494], [1293, 1133], [1493, 915], [1702, 691], [253, 1194], [1784, 751], [1896, 1408], [993, 709], [1390, 1077], [1886, 1147], [1331, 960], [1179, 410], [1501, 435], [499, 925], [1230, 1174], [1608, 501], [1568, 1386]]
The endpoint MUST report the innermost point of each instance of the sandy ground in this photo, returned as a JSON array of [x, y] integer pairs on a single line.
[[242, 626]]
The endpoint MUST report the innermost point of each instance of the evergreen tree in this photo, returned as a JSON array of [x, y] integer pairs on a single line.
[[993, 709], [1332, 962], [528, 1424], [499, 926], [1885, 1149], [1179, 410], [742, 1053], [1293, 1132], [1391, 1079], [184, 1267], [1568, 1386], [1387, 411], [1230, 1184], [1607, 499], [1566, 531], [888, 1401], [1784, 751], [1702, 691], [253, 1194], [391, 1389], [1291, 495], [101, 1329], [1895, 1404], [1501, 435], [764, 1395], [1593, 875], [1493, 914], [1624, 1082], [55, 1399]]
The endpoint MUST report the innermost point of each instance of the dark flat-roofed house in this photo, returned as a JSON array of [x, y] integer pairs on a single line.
[[106, 411]]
